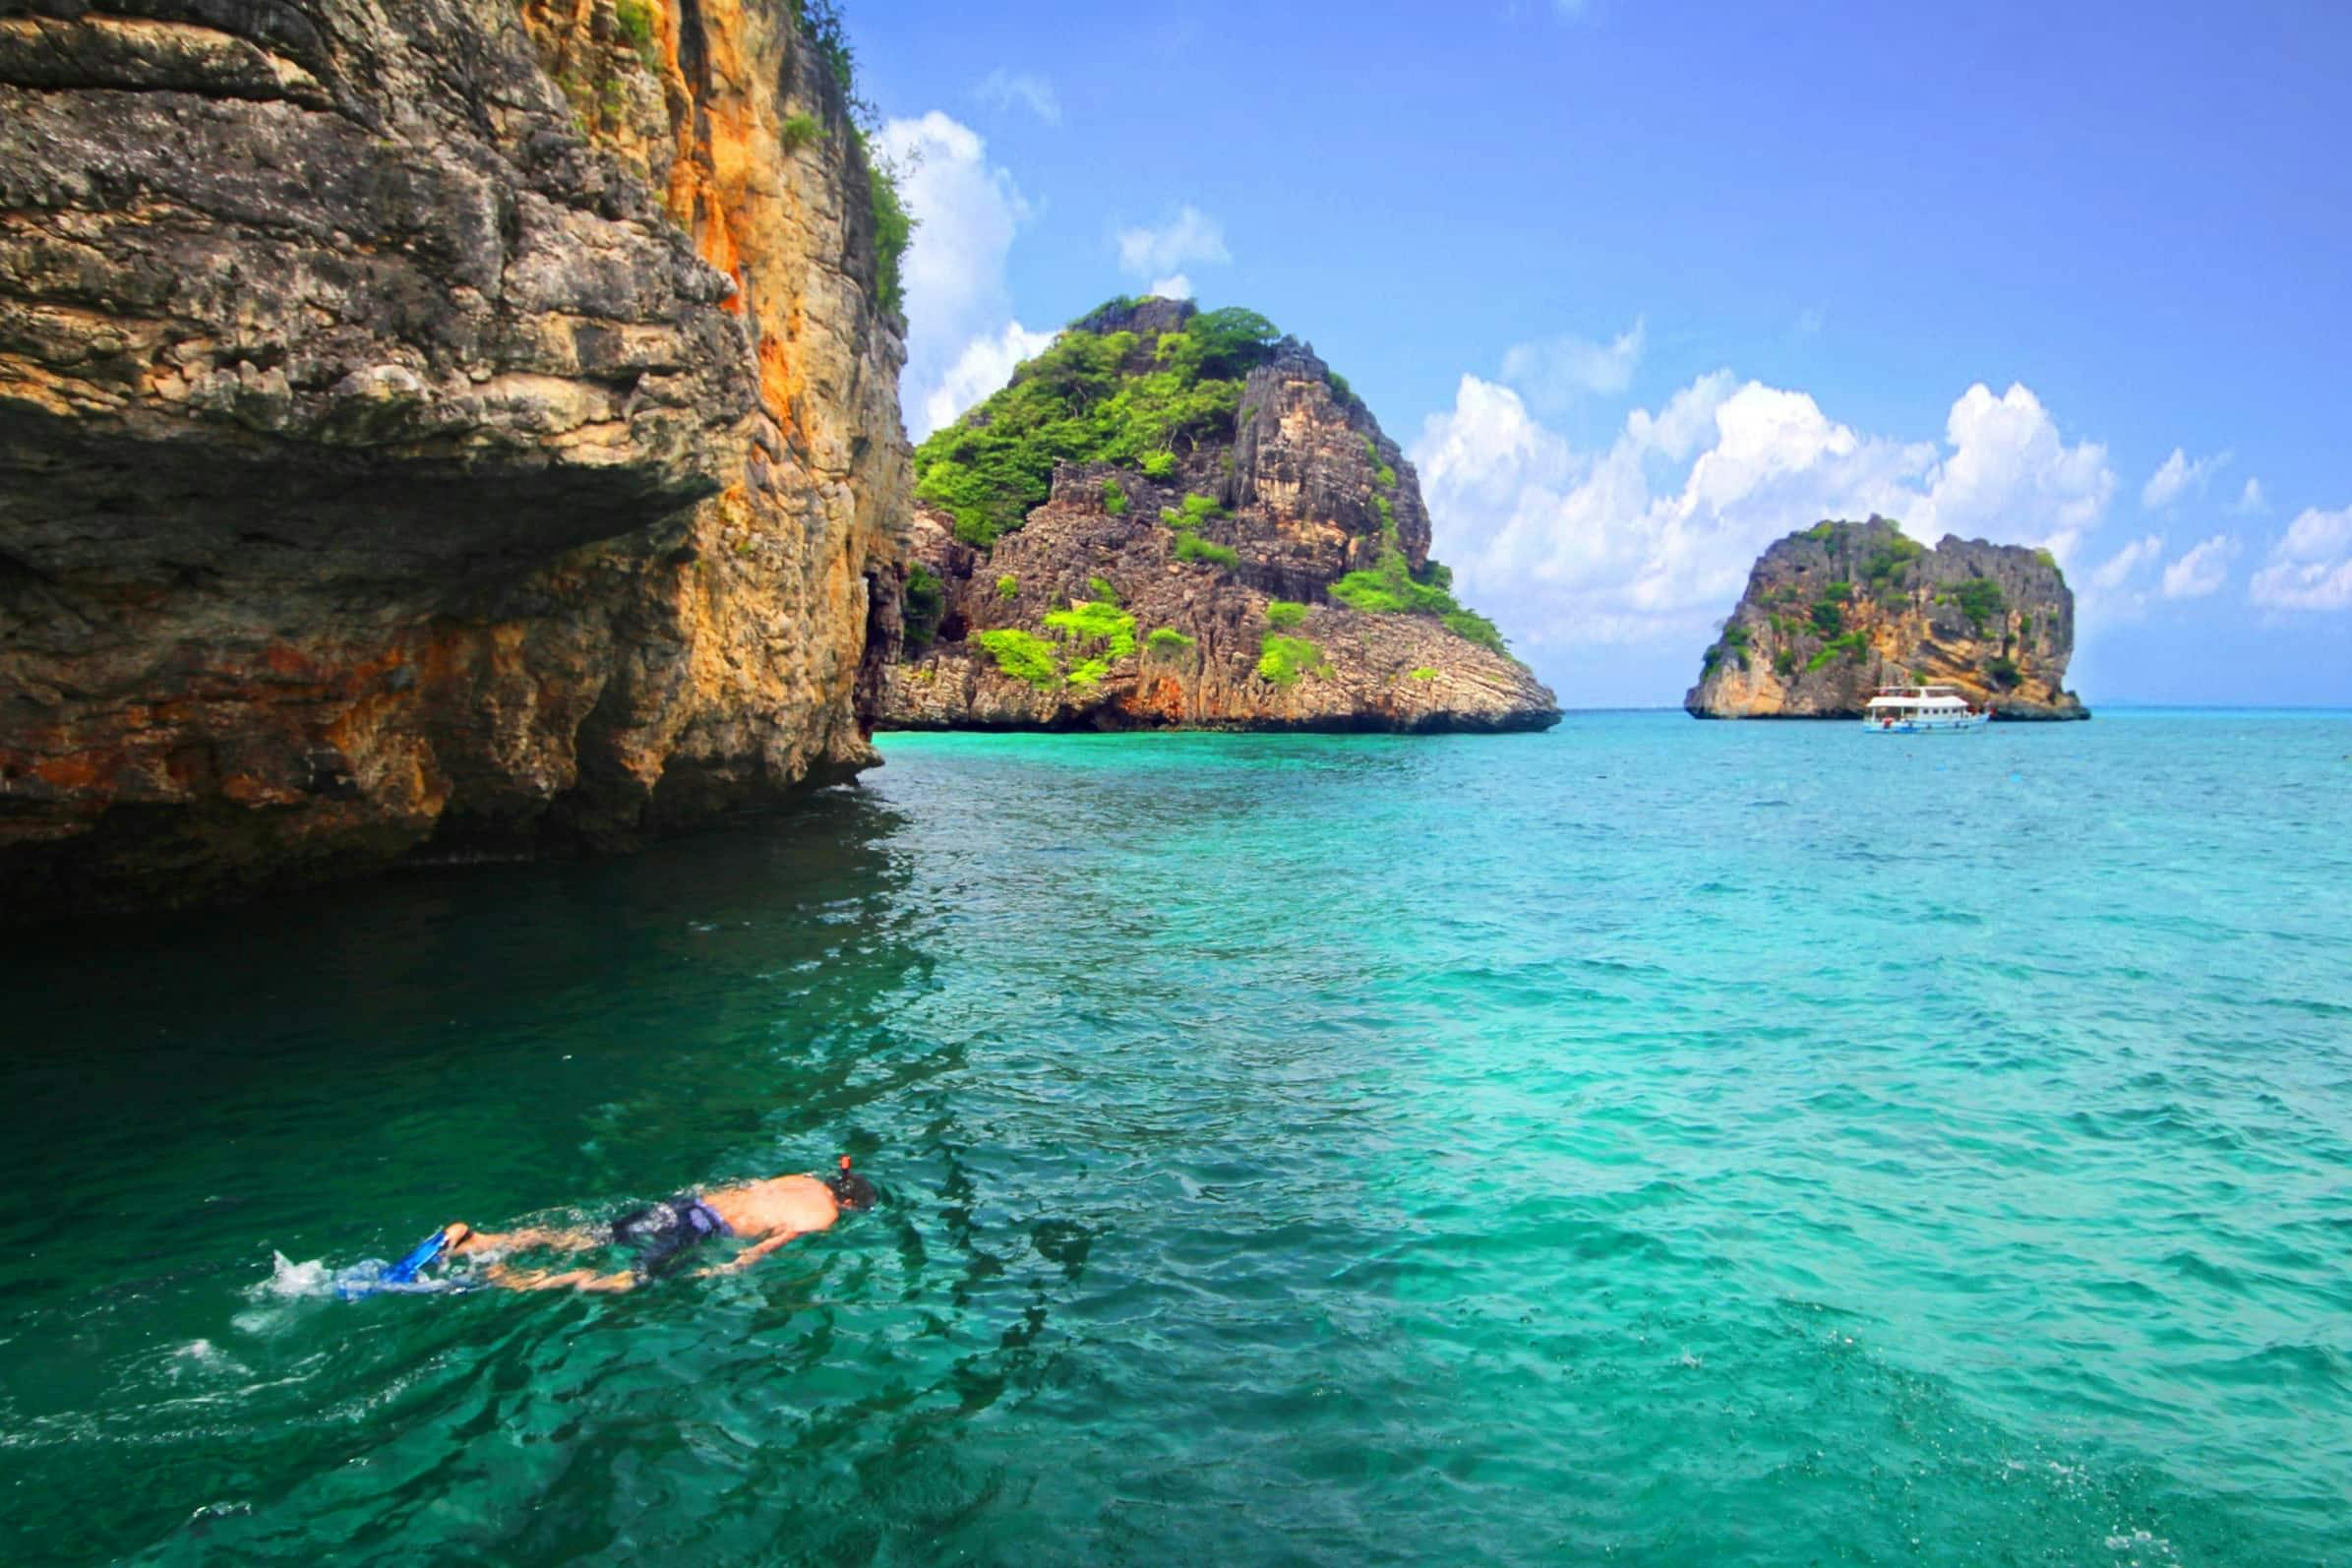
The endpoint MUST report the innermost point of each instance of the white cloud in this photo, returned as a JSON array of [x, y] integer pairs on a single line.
[[1005, 89], [1190, 239], [2178, 475], [1556, 371], [1651, 539], [2121, 566], [960, 323], [2311, 568], [2252, 503], [1176, 286], [985, 365], [2010, 475], [2119, 587], [2201, 570]]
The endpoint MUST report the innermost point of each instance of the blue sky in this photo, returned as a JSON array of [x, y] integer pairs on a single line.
[[1644, 284]]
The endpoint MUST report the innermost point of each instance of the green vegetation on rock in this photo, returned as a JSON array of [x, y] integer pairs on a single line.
[[1159, 465], [1889, 563], [1284, 659], [1195, 511], [926, 601], [1852, 645], [1391, 589], [1025, 656], [1166, 639], [1192, 547], [799, 130], [819, 22], [1090, 397], [1979, 600], [1424, 672], [1115, 497], [1101, 588], [635, 17], [1095, 621], [1285, 613], [1008, 587]]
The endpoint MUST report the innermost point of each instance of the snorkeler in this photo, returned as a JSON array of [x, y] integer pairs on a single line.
[[766, 1214]]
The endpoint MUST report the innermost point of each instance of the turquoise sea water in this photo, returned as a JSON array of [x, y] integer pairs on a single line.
[[1654, 1142]]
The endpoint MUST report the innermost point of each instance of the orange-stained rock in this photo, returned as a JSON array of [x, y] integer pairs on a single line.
[[513, 478]]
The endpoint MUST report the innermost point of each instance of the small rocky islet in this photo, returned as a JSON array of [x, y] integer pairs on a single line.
[[1839, 609], [1178, 519]]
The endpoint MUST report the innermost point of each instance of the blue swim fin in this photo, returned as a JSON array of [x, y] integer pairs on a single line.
[[419, 1258]]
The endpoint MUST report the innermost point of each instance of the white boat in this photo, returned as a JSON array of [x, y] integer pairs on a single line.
[[1923, 710]]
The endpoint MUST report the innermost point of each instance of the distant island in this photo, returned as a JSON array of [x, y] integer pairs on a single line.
[[1833, 613], [1178, 519]]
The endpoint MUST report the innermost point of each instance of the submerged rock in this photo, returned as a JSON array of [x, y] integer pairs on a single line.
[[1177, 519], [438, 429], [1836, 612]]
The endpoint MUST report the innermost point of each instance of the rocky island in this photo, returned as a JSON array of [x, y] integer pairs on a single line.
[[1178, 519], [1833, 613], [438, 429]]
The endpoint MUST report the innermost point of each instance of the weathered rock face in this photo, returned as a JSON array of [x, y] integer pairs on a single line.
[[398, 458], [1230, 615], [1836, 612]]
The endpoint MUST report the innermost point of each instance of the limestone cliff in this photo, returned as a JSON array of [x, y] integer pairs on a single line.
[[434, 427], [1173, 519], [1841, 609]]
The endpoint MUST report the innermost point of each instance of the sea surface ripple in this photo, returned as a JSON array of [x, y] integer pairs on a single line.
[[1653, 1141]]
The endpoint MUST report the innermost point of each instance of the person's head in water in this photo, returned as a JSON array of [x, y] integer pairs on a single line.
[[849, 1189]]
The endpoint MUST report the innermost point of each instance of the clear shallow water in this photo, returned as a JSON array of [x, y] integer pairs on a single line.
[[1685, 1143]]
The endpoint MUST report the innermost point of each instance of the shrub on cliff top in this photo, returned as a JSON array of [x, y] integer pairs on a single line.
[[1285, 613], [819, 24], [1081, 401], [1888, 563]]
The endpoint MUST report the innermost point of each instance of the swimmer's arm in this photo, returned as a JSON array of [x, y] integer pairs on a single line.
[[751, 1254], [570, 1280]]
